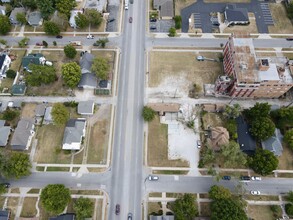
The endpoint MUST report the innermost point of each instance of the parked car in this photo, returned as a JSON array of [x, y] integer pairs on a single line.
[[153, 27], [289, 38], [117, 209], [198, 143], [245, 177], [39, 44], [96, 44], [153, 178], [255, 192], [59, 36], [6, 185], [130, 19], [153, 19], [226, 178], [129, 217], [90, 36], [111, 20], [200, 58], [258, 178]]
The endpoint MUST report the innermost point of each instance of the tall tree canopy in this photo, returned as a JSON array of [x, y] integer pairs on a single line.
[[83, 208], [71, 74], [5, 25], [94, 17], [101, 67], [60, 114], [185, 208], [232, 112], [46, 8], [81, 20], [262, 128], [40, 75], [288, 138], [219, 192], [148, 113], [65, 6], [233, 156], [51, 28], [259, 110], [70, 51]]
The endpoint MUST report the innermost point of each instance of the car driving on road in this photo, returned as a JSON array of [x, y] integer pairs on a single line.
[[255, 192], [129, 217], [117, 209], [245, 177], [90, 36], [130, 19], [153, 178], [226, 178], [257, 178]]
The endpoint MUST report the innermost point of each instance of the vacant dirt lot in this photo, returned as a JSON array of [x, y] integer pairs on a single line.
[[282, 24], [28, 111], [211, 120], [260, 212], [286, 159], [158, 146], [180, 4], [29, 207], [171, 70]]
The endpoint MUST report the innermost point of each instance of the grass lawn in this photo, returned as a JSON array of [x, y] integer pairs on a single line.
[[174, 195], [6, 83], [265, 54], [212, 120], [43, 214], [260, 212], [285, 175], [70, 206], [183, 68], [60, 169], [29, 28], [171, 172], [34, 191], [29, 207], [261, 198], [78, 158], [28, 111], [286, 159], [227, 1], [16, 64], [180, 4], [250, 28], [110, 55], [158, 146], [49, 149], [154, 207], [155, 194], [289, 55], [99, 210], [205, 209], [2, 201], [12, 204], [86, 192], [282, 24], [99, 137], [14, 190]]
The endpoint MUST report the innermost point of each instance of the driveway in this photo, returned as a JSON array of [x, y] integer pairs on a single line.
[[202, 12]]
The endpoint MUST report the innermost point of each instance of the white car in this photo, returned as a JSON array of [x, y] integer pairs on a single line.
[[200, 58], [90, 36], [198, 144], [255, 192], [153, 178], [258, 178]]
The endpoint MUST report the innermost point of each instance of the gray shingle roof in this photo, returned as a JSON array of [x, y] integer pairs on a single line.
[[18, 89], [48, 116], [22, 133], [245, 140], [35, 18], [165, 7], [40, 110], [274, 143], [13, 14], [233, 14], [88, 80], [86, 62], [74, 131], [85, 107], [4, 133], [4, 214]]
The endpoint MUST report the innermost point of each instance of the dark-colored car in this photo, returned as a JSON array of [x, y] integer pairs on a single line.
[[129, 217], [59, 36], [6, 185], [117, 209], [289, 38], [245, 177], [153, 27], [111, 20], [153, 20], [226, 177], [39, 44], [130, 19]]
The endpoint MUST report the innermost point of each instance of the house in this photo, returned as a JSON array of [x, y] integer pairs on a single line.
[[4, 65], [88, 79], [235, 15], [4, 214], [73, 14], [86, 108], [162, 108], [162, 217], [274, 143], [48, 117], [2, 10], [39, 113], [15, 104], [13, 14], [18, 89], [165, 8], [23, 134], [4, 134], [35, 18], [250, 77], [73, 134], [218, 136], [246, 142], [66, 216], [32, 58]]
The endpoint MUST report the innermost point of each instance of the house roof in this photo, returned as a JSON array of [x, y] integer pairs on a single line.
[[86, 62], [2, 10], [73, 131], [164, 107], [219, 136], [13, 14], [48, 116], [233, 14], [245, 140], [40, 110], [67, 216], [32, 58], [85, 107], [22, 134], [162, 217], [88, 80], [4, 133], [2, 59], [103, 83], [34, 18], [165, 7], [4, 214], [274, 143], [18, 89]]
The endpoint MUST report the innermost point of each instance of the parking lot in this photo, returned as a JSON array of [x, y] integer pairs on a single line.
[[161, 25], [202, 10], [112, 26]]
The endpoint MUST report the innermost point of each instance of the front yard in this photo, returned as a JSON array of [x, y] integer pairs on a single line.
[[260, 212], [282, 24]]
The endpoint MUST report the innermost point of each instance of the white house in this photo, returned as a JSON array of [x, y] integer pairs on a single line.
[[73, 134], [4, 65]]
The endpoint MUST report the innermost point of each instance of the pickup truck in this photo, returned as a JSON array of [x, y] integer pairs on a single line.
[[75, 43]]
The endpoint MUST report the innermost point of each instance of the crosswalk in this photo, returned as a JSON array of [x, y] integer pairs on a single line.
[[267, 16]]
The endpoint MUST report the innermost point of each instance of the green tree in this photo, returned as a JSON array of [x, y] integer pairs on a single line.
[[83, 208], [20, 17], [40, 75], [259, 110], [148, 113], [9, 114], [2, 189], [289, 9], [45, 43], [51, 28], [208, 156], [227, 209], [8, 9], [289, 209], [31, 4], [17, 166], [55, 197], [288, 138], [172, 32], [54, 43], [233, 156], [185, 208], [65, 6], [60, 114], [71, 74], [101, 67], [219, 192], [2, 41], [102, 42], [178, 21], [263, 162], [232, 112], [231, 127], [5, 25], [70, 51], [46, 8], [94, 17], [262, 128], [81, 20], [10, 74], [289, 197], [22, 43]]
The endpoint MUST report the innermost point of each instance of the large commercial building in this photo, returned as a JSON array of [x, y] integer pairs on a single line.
[[250, 77]]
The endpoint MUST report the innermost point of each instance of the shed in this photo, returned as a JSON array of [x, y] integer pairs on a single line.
[[40, 110], [48, 117], [86, 107], [18, 89]]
